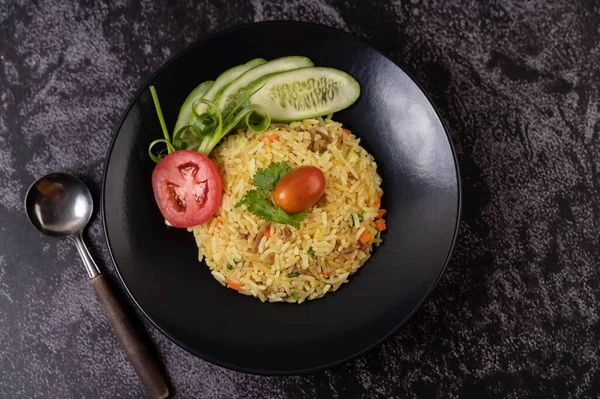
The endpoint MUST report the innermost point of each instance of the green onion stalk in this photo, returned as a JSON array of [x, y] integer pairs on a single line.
[[207, 129]]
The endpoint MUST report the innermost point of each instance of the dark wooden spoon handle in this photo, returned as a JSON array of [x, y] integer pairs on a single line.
[[135, 349]]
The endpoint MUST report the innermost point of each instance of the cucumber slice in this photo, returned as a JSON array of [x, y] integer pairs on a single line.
[[228, 94], [304, 93], [226, 78], [185, 112]]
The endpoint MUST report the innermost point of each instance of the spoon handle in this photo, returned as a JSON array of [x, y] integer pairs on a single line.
[[135, 349], [88, 261]]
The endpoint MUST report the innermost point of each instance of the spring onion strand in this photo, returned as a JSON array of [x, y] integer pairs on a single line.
[[261, 122], [208, 128], [157, 158], [161, 119]]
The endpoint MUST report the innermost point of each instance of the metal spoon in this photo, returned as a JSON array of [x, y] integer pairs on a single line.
[[61, 205]]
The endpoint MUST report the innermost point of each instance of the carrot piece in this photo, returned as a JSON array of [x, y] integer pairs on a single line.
[[347, 131], [364, 237], [377, 202], [273, 137], [267, 233], [380, 225], [325, 274], [235, 285], [218, 224], [380, 213]]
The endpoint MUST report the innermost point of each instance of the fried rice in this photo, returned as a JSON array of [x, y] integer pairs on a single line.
[[279, 263]]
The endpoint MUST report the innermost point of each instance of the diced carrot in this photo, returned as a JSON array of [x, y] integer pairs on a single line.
[[364, 237], [325, 274], [218, 224], [347, 131], [377, 202], [380, 213], [273, 137], [235, 285], [380, 225], [268, 233]]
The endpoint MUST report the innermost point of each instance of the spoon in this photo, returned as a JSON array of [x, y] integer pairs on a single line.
[[60, 205]]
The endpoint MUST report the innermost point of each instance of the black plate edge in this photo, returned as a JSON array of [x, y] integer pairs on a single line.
[[271, 372]]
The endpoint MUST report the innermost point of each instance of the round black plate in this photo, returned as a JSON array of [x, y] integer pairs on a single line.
[[159, 266]]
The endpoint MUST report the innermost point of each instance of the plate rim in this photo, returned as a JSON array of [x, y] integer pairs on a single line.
[[255, 371]]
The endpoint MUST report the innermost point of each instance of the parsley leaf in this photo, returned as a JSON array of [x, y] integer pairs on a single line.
[[279, 216], [259, 205], [266, 179]]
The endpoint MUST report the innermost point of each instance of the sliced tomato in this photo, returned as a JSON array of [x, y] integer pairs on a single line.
[[187, 188]]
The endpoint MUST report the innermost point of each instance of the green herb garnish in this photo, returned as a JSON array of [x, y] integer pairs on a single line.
[[310, 251], [293, 275], [266, 179], [259, 205], [295, 296], [259, 200], [208, 128], [230, 266]]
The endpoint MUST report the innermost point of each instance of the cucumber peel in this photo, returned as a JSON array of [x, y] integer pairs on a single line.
[[228, 95], [225, 79], [185, 112], [207, 90]]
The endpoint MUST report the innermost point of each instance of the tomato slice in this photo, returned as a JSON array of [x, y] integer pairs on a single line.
[[187, 188]]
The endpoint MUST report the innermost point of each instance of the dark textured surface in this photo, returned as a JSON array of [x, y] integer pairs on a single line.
[[516, 313]]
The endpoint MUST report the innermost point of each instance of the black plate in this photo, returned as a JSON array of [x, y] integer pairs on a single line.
[[159, 267]]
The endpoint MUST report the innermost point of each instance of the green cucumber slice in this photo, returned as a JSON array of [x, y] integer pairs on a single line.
[[185, 112], [304, 93], [226, 78], [228, 94]]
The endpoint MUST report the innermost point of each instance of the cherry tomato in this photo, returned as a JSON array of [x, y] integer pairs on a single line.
[[187, 188], [300, 189]]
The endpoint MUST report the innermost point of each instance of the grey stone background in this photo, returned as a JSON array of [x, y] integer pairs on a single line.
[[515, 315]]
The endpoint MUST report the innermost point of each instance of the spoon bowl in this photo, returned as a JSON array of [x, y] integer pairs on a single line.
[[59, 205]]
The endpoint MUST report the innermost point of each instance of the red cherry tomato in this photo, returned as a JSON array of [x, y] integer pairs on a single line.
[[187, 188], [300, 189]]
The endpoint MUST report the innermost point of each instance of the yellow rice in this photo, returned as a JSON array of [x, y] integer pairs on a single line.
[[325, 250]]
